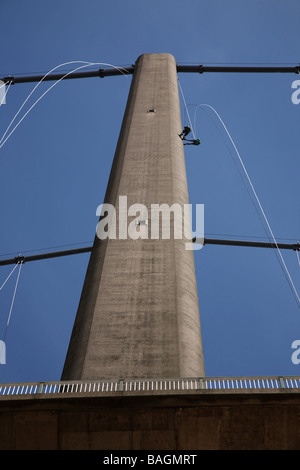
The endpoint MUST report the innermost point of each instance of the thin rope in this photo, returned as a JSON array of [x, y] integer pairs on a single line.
[[237, 167], [8, 277], [297, 253], [5, 92], [87, 64], [11, 306], [14, 296], [283, 265], [186, 108]]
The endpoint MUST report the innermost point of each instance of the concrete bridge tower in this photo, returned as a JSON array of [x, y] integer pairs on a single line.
[[138, 314]]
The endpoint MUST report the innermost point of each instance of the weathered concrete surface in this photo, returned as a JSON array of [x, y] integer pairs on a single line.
[[138, 315], [186, 422]]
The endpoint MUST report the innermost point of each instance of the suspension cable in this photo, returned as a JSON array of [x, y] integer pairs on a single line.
[[8, 277], [5, 92], [11, 308]]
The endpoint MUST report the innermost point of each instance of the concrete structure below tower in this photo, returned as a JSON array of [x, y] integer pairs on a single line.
[[207, 420]]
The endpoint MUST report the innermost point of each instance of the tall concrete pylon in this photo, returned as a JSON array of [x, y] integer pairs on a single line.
[[138, 316]]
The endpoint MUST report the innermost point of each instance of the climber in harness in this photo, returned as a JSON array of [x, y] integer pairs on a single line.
[[184, 133], [193, 142]]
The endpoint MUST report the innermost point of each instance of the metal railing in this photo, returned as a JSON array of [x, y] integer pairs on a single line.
[[129, 386]]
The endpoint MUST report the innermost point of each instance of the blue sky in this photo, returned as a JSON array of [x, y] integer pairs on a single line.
[[55, 166]]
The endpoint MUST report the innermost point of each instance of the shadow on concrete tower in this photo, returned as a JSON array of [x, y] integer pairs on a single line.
[[138, 314]]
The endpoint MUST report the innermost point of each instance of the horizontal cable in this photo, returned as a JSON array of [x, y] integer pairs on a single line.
[[206, 241], [53, 254], [109, 72], [236, 69], [285, 246]]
